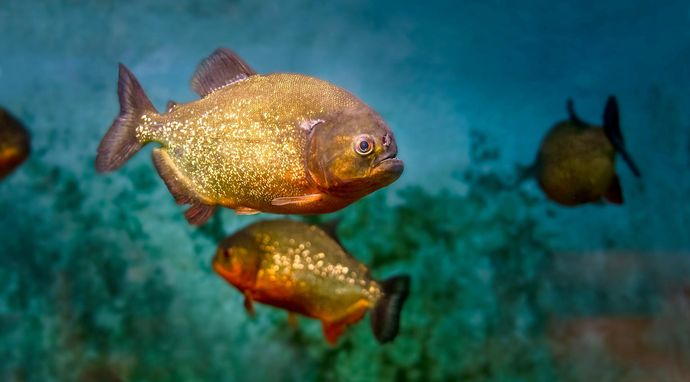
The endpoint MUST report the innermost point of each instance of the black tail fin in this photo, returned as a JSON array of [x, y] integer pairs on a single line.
[[385, 318], [120, 142], [612, 129]]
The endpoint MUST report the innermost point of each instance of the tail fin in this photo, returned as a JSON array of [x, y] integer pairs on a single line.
[[612, 129], [385, 318], [120, 142]]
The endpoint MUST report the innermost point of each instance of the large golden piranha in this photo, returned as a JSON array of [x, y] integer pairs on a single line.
[[14, 143], [576, 160], [303, 268], [280, 143]]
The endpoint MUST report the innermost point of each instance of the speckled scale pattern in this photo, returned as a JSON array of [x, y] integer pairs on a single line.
[[244, 144], [315, 269]]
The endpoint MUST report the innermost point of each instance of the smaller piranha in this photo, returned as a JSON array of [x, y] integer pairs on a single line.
[[576, 160], [14, 143], [303, 269]]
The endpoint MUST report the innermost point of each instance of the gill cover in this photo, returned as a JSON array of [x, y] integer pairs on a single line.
[[344, 153]]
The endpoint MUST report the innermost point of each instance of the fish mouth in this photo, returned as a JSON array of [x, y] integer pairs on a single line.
[[389, 164], [388, 157]]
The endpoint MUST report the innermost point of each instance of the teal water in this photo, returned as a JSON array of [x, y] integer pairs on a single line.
[[103, 279]]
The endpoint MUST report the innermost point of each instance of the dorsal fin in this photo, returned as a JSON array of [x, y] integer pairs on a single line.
[[572, 115], [221, 68], [331, 228], [612, 129]]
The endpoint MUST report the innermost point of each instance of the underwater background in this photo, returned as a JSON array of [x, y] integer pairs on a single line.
[[102, 279]]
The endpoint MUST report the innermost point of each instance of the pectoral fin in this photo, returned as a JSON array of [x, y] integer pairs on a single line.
[[246, 211], [297, 200]]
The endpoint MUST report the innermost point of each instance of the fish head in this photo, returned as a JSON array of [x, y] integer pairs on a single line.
[[353, 153], [236, 263]]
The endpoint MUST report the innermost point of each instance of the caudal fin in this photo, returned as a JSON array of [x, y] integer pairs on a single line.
[[120, 142], [612, 129], [385, 318]]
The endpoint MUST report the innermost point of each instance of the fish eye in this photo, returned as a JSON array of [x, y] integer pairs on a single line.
[[364, 145]]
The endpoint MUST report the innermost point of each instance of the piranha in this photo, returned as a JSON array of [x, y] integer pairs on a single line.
[[14, 143], [280, 143], [303, 268], [576, 160]]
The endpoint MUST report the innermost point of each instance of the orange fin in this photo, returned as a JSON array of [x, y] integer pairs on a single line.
[[223, 67], [615, 193], [297, 200], [249, 305], [332, 331], [246, 211]]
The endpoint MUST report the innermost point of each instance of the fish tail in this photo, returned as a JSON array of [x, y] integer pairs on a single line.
[[120, 143], [385, 318], [612, 129]]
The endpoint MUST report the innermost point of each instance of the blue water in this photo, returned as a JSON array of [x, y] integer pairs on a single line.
[[102, 277]]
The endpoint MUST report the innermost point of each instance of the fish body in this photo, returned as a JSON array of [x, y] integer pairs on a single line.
[[576, 160], [15, 143], [301, 268], [280, 143]]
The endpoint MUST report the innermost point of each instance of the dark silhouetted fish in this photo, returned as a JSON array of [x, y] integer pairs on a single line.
[[576, 160]]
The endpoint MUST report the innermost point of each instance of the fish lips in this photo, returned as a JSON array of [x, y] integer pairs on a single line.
[[390, 166]]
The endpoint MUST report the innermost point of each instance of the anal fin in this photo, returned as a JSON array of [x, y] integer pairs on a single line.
[[333, 331], [199, 213]]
